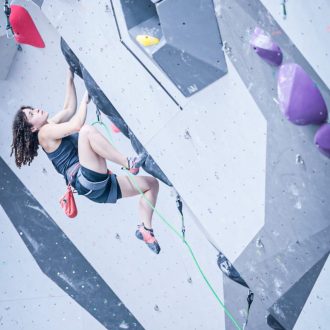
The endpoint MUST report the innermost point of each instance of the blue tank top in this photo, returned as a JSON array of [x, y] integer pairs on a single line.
[[66, 154]]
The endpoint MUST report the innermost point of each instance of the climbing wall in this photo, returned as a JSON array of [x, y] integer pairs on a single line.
[[7, 50], [91, 272], [290, 250], [254, 185]]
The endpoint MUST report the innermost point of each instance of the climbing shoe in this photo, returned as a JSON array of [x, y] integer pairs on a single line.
[[134, 164], [147, 235]]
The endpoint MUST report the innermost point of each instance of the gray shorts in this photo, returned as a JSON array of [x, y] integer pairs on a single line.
[[98, 187]]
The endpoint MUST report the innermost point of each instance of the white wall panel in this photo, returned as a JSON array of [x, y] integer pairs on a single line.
[[28, 299], [143, 104], [140, 279], [214, 153]]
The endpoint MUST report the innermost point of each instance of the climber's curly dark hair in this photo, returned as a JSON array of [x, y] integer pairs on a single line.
[[25, 142]]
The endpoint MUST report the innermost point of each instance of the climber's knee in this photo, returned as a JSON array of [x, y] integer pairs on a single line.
[[87, 130]]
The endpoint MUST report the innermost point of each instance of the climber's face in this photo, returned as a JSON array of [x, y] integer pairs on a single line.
[[36, 117]]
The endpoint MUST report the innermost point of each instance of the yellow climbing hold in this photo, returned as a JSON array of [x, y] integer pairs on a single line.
[[145, 40]]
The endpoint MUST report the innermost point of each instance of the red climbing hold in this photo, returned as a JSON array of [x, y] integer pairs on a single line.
[[114, 128], [24, 28]]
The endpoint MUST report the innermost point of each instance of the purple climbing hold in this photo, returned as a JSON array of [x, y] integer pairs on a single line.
[[322, 139], [300, 100], [265, 47]]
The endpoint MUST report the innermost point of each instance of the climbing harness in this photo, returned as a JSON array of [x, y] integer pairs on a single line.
[[9, 29], [169, 225], [99, 185]]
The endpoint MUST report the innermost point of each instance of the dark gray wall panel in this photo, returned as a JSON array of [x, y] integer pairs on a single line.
[[292, 302], [190, 47], [138, 11]]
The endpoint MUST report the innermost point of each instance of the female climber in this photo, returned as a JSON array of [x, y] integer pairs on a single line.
[[70, 144]]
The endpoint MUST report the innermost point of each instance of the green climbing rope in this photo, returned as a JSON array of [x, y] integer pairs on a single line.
[[177, 233], [105, 128]]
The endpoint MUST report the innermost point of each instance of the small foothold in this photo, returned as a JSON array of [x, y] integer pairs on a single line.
[[117, 236], [44, 171], [259, 243], [189, 280], [187, 135], [156, 308], [299, 160], [146, 40], [226, 48]]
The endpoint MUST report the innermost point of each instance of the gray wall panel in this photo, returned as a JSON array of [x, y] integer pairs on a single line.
[[294, 237]]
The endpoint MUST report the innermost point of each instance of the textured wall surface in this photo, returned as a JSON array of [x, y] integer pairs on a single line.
[[252, 183], [289, 245], [7, 50]]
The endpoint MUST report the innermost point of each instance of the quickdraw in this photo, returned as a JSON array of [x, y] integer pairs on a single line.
[[179, 205], [9, 29], [283, 4]]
